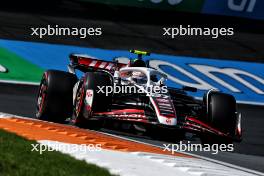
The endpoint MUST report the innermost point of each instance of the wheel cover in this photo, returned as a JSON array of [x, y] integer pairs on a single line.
[[79, 102], [41, 97]]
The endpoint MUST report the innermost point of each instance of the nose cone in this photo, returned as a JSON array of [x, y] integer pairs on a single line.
[[171, 121], [165, 110]]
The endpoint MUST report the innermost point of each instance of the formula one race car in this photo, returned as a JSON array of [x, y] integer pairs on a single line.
[[134, 93]]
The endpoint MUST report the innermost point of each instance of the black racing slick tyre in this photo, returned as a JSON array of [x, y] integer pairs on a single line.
[[101, 102], [221, 115], [222, 112], [54, 102]]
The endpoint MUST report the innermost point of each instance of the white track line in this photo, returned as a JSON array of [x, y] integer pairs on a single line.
[[141, 163], [19, 82], [194, 155], [120, 163]]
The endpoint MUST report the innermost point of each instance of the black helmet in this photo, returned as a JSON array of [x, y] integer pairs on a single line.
[[137, 63]]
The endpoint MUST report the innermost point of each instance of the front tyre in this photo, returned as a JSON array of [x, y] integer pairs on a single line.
[[222, 116], [54, 102]]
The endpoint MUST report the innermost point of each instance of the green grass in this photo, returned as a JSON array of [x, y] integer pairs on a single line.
[[17, 159], [19, 69]]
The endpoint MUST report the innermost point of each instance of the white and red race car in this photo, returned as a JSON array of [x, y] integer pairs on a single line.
[[134, 93]]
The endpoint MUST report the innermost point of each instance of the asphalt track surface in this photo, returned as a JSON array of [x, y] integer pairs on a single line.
[[129, 33]]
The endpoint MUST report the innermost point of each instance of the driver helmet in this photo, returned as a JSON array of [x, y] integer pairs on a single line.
[[137, 63]]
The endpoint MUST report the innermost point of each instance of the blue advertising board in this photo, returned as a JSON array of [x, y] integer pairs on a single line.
[[253, 9], [244, 80]]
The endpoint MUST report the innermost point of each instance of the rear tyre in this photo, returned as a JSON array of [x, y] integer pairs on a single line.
[[54, 101], [82, 110], [222, 116]]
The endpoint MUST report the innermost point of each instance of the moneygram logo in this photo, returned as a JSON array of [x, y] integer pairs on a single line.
[[243, 80]]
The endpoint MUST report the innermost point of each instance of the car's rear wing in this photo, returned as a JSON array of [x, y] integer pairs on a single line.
[[86, 62]]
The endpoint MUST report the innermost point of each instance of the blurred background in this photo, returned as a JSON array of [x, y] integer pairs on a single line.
[[138, 24], [133, 24]]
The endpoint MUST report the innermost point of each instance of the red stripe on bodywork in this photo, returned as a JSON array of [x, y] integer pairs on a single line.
[[205, 125], [108, 64], [123, 111], [84, 61], [98, 63]]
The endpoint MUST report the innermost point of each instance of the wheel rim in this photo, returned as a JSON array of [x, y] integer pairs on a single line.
[[79, 102], [41, 97]]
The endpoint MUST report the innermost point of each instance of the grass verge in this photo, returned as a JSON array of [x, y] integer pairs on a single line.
[[17, 159]]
